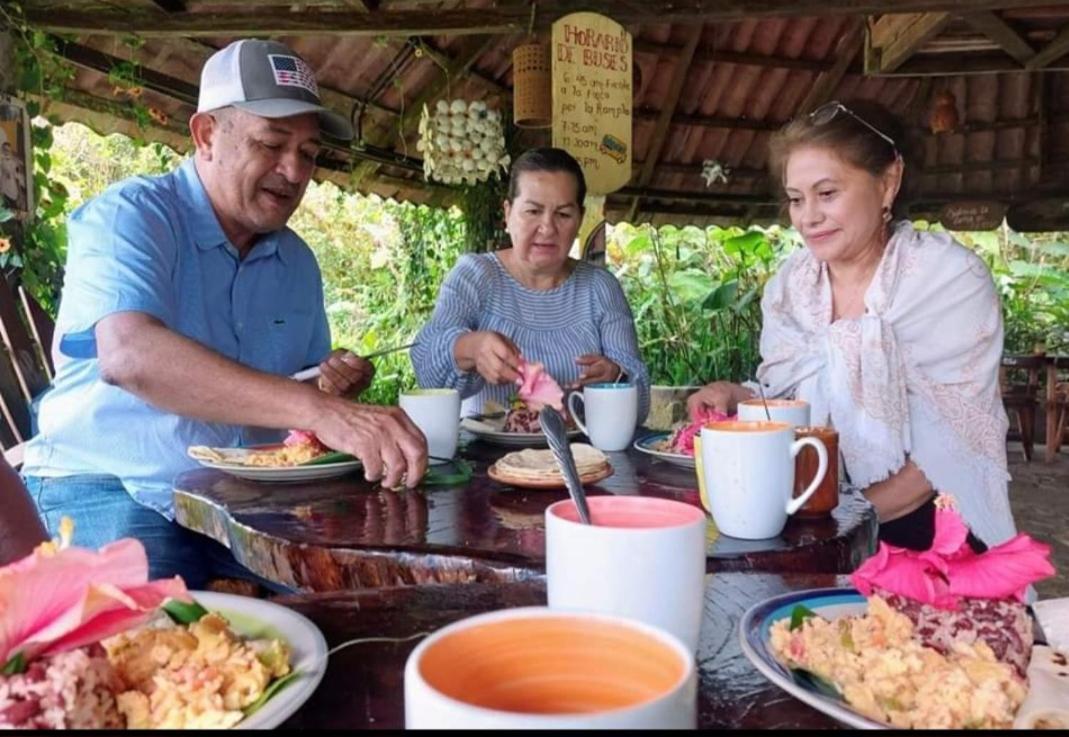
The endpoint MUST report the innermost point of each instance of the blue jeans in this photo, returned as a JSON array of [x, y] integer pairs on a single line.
[[103, 512]]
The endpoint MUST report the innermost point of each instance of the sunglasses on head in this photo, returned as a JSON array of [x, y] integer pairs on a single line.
[[827, 112]]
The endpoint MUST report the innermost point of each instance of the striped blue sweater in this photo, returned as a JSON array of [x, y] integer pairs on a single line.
[[588, 313]]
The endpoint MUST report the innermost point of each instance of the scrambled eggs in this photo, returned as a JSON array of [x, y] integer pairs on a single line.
[[200, 676], [884, 674]]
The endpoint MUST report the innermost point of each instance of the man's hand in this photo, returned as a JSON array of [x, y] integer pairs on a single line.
[[385, 440], [596, 369], [345, 374], [722, 396], [494, 356]]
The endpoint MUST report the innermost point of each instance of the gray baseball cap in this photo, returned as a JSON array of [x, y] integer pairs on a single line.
[[267, 79]]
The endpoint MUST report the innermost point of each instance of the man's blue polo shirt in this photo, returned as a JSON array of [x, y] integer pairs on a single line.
[[154, 245]]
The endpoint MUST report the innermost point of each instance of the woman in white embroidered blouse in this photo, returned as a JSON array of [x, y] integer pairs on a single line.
[[893, 335]]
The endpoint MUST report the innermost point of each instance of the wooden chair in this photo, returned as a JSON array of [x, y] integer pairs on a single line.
[[1019, 378], [26, 367], [1057, 403]]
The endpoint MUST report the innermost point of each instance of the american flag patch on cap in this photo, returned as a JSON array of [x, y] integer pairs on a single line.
[[291, 71]]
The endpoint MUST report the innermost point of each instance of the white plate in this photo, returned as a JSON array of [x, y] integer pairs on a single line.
[[308, 649], [756, 624], [646, 445], [496, 435], [278, 473]]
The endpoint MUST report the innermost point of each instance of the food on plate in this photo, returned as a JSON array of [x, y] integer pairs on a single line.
[[886, 674], [85, 643], [681, 441], [300, 446], [946, 640], [541, 465], [200, 675], [523, 419]]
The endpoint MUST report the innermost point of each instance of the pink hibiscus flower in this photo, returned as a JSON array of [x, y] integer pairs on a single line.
[[950, 571], [59, 598]]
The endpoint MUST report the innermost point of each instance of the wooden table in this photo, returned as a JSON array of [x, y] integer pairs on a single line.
[[346, 534], [363, 686]]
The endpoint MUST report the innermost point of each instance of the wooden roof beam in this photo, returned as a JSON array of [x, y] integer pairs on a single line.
[[1053, 51], [711, 121], [941, 65], [664, 121], [733, 57], [502, 19], [826, 83], [894, 38], [999, 31]]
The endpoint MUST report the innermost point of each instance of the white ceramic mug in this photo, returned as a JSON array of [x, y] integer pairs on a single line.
[[535, 668], [610, 414], [794, 412], [643, 557], [436, 412], [749, 476]]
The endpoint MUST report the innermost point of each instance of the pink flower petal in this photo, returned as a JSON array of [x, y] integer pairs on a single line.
[[950, 532], [43, 589], [538, 388], [106, 611], [1003, 571]]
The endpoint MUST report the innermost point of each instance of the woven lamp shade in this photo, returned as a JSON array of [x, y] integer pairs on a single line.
[[532, 101]]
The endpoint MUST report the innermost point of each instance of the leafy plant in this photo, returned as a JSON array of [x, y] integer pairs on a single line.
[[695, 294]]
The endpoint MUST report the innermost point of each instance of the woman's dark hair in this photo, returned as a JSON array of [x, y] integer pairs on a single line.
[[847, 136], [547, 159]]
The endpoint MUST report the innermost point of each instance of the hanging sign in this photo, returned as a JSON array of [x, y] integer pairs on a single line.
[[981, 215], [592, 102]]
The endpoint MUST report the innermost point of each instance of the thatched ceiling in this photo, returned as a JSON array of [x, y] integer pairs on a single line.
[[738, 70]]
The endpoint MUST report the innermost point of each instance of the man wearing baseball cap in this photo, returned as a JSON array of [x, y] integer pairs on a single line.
[[186, 305]]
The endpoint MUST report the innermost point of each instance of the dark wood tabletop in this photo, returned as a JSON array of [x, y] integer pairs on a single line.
[[345, 533], [363, 686]]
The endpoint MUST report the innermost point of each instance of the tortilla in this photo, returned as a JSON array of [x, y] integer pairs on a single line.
[[531, 464]]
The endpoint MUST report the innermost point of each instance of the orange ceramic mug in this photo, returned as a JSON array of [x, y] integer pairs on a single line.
[[541, 668], [826, 497]]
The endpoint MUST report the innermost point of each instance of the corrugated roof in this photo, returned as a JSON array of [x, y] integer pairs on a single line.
[[748, 76]]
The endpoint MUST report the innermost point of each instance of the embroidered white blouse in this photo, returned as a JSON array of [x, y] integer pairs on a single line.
[[916, 375]]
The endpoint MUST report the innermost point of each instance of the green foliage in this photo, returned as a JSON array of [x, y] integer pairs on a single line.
[[696, 296], [1031, 273], [382, 265]]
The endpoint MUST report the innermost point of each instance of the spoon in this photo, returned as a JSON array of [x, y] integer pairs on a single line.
[[761, 391], [553, 427]]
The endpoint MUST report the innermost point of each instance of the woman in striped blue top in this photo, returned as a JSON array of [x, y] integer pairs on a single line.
[[531, 300]]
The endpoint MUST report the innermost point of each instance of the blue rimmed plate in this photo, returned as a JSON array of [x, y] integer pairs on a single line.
[[652, 445], [754, 635]]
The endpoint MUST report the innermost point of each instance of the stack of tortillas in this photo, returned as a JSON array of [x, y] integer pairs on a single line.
[[532, 467]]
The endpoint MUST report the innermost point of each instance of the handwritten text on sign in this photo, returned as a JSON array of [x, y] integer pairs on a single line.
[[592, 58]]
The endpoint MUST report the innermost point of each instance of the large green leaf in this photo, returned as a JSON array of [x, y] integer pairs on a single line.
[[723, 296], [689, 285], [747, 243]]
